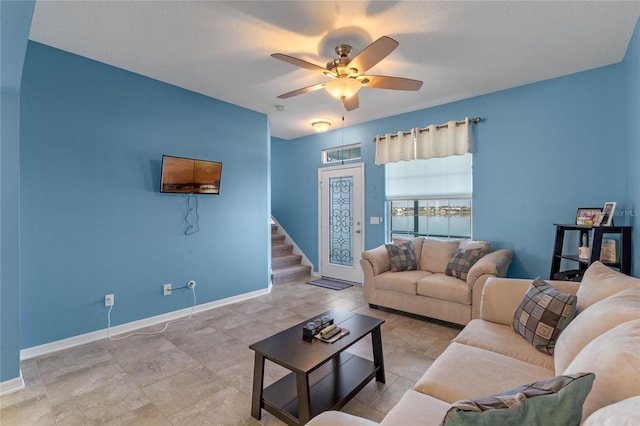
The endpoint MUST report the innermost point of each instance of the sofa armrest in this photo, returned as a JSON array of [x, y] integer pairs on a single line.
[[502, 296], [378, 258], [494, 264], [338, 418]]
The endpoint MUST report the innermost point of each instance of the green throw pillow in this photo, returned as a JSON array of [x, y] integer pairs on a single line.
[[542, 315], [461, 261], [402, 256], [551, 402]]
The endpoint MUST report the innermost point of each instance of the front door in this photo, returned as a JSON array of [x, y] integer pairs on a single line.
[[341, 219]]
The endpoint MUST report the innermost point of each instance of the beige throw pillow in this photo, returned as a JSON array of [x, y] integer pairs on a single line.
[[436, 254]]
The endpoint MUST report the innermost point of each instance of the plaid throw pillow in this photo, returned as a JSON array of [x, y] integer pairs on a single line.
[[543, 313], [554, 401], [461, 261], [402, 256]]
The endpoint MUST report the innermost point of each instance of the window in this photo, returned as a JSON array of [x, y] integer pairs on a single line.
[[430, 197], [439, 218], [341, 153]]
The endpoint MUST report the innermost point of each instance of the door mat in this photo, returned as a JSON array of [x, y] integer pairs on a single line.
[[331, 283]]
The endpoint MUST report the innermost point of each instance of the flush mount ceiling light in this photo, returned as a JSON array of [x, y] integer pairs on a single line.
[[321, 124]]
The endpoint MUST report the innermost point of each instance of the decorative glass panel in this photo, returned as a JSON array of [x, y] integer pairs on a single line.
[[340, 220]]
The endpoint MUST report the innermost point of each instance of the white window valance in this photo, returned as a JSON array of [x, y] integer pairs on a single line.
[[434, 141]]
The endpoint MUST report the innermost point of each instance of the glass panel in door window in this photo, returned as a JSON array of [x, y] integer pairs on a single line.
[[340, 221]]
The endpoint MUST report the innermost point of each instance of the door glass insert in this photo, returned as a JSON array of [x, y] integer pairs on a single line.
[[341, 220]]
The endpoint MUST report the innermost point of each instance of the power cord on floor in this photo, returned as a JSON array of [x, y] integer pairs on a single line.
[[193, 290]]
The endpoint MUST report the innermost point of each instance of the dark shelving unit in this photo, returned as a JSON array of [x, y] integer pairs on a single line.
[[595, 235]]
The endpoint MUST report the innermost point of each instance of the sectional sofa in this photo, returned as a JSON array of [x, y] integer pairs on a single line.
[[489, 357]]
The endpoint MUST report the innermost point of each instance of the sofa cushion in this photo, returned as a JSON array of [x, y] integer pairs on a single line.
[[401, 256], [436, 254], [593, 322], [403, 282], [461, 261], [338, 418], [623, 413], [444, 287], [484, 246], [379, 259], [416, 243], [415, 408], [600, 281], [614, 358], [501, 339], [463, 372], [542, 315], [554, 401]]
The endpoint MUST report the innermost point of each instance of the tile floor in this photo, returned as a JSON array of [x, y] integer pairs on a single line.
[[199, 372]]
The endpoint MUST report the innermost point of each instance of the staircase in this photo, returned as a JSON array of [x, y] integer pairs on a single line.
[[285, 266]]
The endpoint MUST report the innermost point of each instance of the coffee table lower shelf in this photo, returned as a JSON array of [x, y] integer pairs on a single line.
[[331, 386]]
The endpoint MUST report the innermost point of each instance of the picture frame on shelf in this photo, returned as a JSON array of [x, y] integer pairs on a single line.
[[584, 215], [608, 251], [597, 219], [608, 210]]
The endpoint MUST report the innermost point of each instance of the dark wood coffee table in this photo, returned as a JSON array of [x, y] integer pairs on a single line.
[[323, 376]]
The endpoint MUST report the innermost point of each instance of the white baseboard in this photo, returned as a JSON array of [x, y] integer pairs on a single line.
[[82, 339], [11, 385]]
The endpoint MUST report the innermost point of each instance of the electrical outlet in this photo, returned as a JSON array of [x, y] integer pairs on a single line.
[[166, 289], [108, 300]]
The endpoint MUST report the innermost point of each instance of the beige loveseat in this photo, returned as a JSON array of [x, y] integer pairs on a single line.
[[489, 357], [429, 291]]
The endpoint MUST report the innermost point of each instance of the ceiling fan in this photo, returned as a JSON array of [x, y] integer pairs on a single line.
[[348, 73]]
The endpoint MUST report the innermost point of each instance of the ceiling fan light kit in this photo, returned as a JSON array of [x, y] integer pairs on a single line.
[[321, 124], [343, 88], [347, 73]]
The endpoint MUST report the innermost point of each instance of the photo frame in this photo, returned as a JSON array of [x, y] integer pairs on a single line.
[[608, 210], [585, 215], [608, 252], [597, 219]]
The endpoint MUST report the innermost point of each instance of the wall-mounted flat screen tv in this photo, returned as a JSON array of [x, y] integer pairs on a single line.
[[190, 176]]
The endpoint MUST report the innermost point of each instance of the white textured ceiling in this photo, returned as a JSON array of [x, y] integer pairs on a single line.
[[222, 48]]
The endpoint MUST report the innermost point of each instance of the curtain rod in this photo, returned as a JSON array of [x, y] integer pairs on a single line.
[[442, 126]]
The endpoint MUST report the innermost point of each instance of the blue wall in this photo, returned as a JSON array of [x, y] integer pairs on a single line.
[[632, 110], [15, 21], [538, 156], [93, 220]]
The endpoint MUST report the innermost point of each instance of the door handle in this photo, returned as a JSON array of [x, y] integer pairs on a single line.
[[357, 231]]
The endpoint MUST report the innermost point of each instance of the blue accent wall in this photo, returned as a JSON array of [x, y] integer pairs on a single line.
[[93, 220], [541, 151], [15, 21], [632, 114]]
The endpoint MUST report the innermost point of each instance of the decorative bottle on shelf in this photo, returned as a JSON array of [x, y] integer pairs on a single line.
[[583, 250]]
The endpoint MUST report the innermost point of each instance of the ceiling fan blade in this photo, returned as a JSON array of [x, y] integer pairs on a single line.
[[373, 53], [302, 91], [385, 82], [351, 103], [302, 64]]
